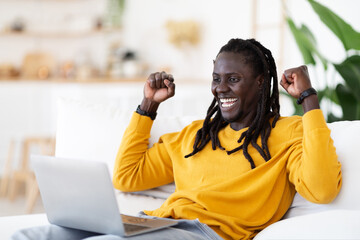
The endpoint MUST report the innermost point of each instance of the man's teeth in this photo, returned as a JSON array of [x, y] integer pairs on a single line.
[[227, 102]]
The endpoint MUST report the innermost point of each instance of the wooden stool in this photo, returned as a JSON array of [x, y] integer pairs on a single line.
[[6, 177], [24, 174]]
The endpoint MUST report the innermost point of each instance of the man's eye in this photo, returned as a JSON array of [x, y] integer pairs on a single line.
[[233, 79], [216, 79]]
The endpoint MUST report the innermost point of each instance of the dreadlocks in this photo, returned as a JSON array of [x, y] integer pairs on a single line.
[[267, 107]]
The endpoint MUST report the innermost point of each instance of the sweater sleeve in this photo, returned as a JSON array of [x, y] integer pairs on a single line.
[[313, 164], [138, 167]]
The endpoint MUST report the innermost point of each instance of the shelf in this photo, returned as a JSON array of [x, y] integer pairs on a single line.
[[64, 80], [62, 34]]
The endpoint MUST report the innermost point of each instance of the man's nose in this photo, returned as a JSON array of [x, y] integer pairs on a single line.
[[223, 86]]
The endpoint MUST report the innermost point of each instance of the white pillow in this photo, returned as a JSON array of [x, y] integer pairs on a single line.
[[89, 131], [346, 136], [93, 132], [335, 224]]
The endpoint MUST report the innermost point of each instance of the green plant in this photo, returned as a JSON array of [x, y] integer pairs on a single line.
[[347, 93], [115, 10]]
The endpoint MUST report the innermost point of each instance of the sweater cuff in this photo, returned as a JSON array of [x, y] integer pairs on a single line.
[[314, 119], [141, 124]]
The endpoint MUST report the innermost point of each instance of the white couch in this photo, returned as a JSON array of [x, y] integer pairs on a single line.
[[94, 131]]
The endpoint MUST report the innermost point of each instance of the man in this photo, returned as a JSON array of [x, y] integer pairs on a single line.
[[246, 178]]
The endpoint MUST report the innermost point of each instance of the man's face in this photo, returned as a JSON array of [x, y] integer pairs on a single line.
[[236, 89]]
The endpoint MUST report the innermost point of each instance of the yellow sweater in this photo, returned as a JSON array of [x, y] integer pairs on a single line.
[[222, 190]]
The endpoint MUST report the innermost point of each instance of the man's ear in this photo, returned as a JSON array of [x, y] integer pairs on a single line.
[[260, 80]]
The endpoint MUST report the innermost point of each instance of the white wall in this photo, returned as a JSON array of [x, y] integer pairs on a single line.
[[221, 20]]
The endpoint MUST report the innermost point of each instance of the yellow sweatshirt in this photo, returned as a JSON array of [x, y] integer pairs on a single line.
[[222, 190]]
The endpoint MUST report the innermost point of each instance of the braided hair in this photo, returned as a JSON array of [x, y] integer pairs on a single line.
[[267, 107]]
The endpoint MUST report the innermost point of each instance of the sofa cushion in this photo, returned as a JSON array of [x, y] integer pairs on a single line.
[[346, 136], [93, 131]]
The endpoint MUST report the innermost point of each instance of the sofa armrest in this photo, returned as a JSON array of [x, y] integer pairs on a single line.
[[333, 224]]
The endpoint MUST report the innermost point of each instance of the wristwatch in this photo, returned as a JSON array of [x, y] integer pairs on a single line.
[[305, 94], [144, 113]]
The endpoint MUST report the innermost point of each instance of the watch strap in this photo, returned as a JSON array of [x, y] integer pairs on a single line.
[[305, 94], [144, 113]]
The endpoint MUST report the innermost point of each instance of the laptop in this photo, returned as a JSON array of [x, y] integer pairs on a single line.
[[79, 194]]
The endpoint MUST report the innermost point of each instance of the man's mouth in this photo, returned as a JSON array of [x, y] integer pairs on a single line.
[[227, 102]]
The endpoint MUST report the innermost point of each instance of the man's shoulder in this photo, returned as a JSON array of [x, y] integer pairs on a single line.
[[184, 134], [290, 122], [194, 125], [289, 119]]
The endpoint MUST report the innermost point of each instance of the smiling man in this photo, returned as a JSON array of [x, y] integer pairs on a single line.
[[236, 171]]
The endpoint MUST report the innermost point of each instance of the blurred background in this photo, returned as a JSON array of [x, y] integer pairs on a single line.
[[103, 50]]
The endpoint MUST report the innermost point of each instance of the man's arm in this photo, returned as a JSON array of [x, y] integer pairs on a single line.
[[313, 165], [137, 167]]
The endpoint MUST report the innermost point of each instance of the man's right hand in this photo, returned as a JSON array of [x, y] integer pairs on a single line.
[[158, 87]]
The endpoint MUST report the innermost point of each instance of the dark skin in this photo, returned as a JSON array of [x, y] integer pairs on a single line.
[[235, 86]]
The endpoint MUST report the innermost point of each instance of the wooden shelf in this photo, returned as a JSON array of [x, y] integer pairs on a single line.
[[95, 80], [62, 34], [64, 80]]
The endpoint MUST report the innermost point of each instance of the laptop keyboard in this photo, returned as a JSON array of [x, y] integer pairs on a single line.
[[129, 228]]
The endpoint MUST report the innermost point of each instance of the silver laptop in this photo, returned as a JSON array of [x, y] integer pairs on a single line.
[[79, 194]]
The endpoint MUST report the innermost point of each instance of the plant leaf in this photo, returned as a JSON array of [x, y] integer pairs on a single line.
[[332, 118], [344, 31], [349, 69], [306, 31], [329, 93], [303, 46], [347, 101], [306, 42]]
